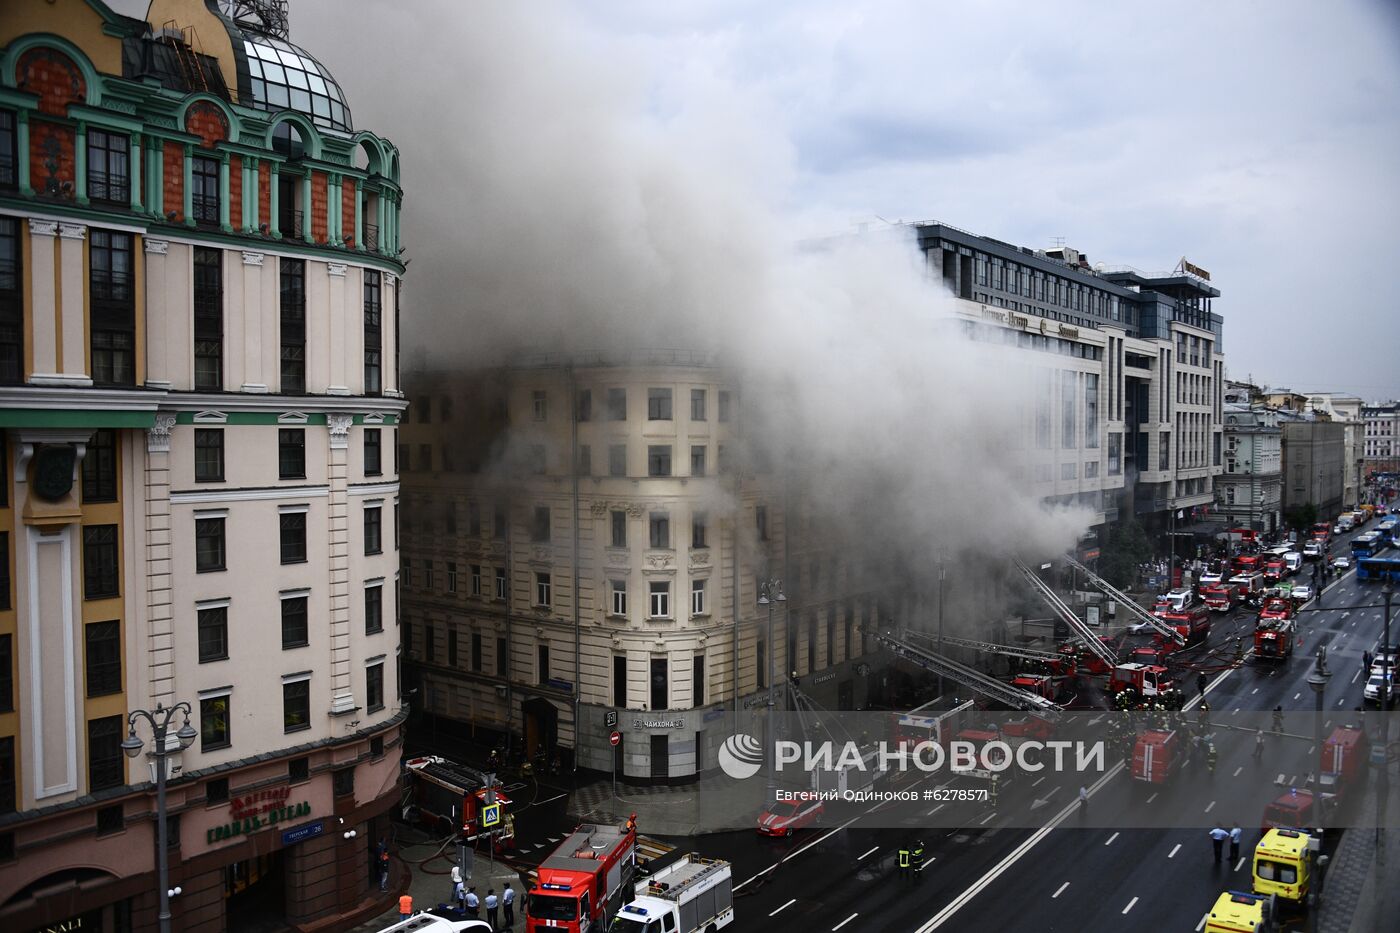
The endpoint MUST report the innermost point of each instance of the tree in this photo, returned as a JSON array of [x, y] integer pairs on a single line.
[[1301, 517], [1125, 550]]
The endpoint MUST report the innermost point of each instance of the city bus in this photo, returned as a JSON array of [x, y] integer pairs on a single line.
[[1378, 569]]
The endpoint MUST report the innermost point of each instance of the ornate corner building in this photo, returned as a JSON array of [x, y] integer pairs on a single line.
[[199, 297]]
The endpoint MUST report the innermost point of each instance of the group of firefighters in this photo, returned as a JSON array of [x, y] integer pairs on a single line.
[[911, 858]]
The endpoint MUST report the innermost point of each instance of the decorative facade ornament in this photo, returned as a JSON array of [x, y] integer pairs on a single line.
[[252, 259], [158, 434], [336, 269], [540, 553], [661, 562], [72, 231], [158, 247], [634, 510], [42, 227], [618, 559], [599, 509], [700, 558], [390, 279], [339, 426]]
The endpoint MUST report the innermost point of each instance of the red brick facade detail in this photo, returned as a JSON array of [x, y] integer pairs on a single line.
[[318, 207], [52, 162], [54, 77], [207, 122], [235, 192], [265, 195], [347, 209], [174, 181]]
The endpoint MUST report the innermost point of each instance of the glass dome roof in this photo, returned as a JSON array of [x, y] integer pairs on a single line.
[[283, 77]]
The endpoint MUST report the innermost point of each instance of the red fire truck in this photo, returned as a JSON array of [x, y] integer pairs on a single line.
[[1149, 680], [1342, 762], [1159, 754], [1192, 622], [584, 882], [447, 797], [1219, 597], [1273, 639]]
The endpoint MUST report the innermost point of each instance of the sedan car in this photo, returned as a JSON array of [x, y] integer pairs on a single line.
[[782, 817], [1373, 687], [1341, 563], [1302, 592]]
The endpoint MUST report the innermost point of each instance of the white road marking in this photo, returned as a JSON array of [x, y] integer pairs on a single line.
[[1152, 798], [1341, 700], [1211, 806], [1310, 749], [984, 819], [1175, 849], [1239, 864], [935, 809], [1037, 780], [1130, 905], [927, 862], [1296, 696], [1237, 771], [844, 922], [1060, 890], [859, 857], [1355, 677], [1254, 691], [1202, 922], [1110, 839], [783, 908]]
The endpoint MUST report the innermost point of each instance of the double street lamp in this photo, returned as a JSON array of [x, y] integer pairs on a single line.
[[770, 593], [132, 745]]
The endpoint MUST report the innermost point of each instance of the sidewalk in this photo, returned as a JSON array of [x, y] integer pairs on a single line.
[[662, 810], [1360, 889], [427, 865]]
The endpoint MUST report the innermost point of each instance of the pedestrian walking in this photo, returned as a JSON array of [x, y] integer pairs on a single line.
[[508, 903], [1217, 839], [472, 904], [383, 866], [456, 882], [1235, 834], [493, 906], [1259, 744], [1083, 799], [405, 906], [1365, 663]]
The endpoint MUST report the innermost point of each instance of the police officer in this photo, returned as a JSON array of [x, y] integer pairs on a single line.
[[508, 905], [473, 903]]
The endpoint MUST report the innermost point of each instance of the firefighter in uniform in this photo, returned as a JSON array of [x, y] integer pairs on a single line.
[[904, 862], [1211, 757], [917, 856], [992, 792]]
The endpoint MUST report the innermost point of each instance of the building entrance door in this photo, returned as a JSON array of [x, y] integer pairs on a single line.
[[255, 894], [660, 758]]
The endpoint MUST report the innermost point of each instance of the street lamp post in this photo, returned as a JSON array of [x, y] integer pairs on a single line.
[[942, 575], [132, 745], [770, 593], [1384, 693]]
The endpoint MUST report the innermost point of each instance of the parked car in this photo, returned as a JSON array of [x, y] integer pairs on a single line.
[[782, 817], [1302, 592], [1373, 687]]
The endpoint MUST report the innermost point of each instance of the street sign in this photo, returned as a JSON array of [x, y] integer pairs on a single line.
[[610, 719], [615, 738], [490, 814]]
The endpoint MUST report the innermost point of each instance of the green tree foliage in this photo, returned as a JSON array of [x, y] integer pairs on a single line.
[[1301, 517], [1125, 550]]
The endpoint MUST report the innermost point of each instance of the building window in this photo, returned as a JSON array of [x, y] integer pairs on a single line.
[[660, 599], [761, 663], [659, 460], [104, 658], [343, 782], [476, 579], [697, 597], [1164, 451], [760, 516], [9, 155], [451, 577], [216, 791], [208, 455], [584, 406], [374, 351], [100, 563], [111, 819], [619, 597], [105, 753], [208, 319], [498, 523], [585, 460], [209, 549], [660, 524], [697, 404], [1069, 425], [214, 723], [374, 687], [291, 453], [539, 405], [539, 527], [542, 589], [292, 527], [373, 463], [11, 294], [212, 624], [293, 325], [112, 308], [617, 404], [542, 663], [374, 536], [1091, 410], [427, 573], [100, 468], [1115, 453], [723, 413], [619, 528], [698, 530], [501, 587], [620, 680], [299, 770], [374, 609], [204, 185], [617, 460], [296, 705], [697, 681], [295, 632], [658, 404], [109, 167], [660, 684]]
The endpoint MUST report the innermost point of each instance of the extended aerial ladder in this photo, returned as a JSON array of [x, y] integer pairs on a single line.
[[1066, 615], [959, 673], [1122, 599], [990, 647]]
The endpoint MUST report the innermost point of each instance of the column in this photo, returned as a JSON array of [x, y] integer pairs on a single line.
[[160, 610], [306, 224], [155, 171], [359, 215], [43, 249], [223, 194], [332, 209], [383, 244], [189, 185], [338, 537], [72, 340], [274, 183], [136, 172], [252, 221], [23, 165], [80, 163]]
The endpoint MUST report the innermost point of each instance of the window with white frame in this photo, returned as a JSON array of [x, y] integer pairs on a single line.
[[476, 579], [660, 599], [697, 597], [451, 577], [542, 589], [539, 403], [619, 597]]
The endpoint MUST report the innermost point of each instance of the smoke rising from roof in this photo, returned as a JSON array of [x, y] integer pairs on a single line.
[[565, 194]]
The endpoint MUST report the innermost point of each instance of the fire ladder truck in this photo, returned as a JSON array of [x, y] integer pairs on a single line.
[[975, 680], [1076, 625], [1142, 615], [1056, 667]]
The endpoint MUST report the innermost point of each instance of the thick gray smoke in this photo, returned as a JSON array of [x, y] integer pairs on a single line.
[[555, 203]]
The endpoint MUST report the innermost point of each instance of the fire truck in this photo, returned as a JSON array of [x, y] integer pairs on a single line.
[[1191, 622], [447, 797], [1274, 638], [583, 883], [1220, 597], [1158, 755], [1149, 680], [1342, 762]]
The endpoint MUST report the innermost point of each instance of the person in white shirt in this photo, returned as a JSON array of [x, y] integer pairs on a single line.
[[492, 906]]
